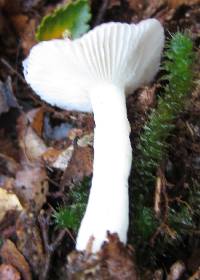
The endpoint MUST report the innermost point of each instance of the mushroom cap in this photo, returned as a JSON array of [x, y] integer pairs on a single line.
[[64, 72]]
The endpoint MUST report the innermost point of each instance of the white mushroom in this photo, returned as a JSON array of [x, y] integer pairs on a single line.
[[94, 73]]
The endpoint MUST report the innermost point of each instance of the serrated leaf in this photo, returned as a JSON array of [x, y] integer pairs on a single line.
[[71, 19]]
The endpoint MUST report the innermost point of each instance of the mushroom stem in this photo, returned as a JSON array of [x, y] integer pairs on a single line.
[[107, 208]]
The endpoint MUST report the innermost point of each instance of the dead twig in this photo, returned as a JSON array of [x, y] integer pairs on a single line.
[[102, 11], [50, 248], [21, 78], [13, 71], [160, 192], [157, 197]]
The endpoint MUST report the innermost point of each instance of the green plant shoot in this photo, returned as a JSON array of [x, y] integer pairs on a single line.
[[70, 216], [179, 58]]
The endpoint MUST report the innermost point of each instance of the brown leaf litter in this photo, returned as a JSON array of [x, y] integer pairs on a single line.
[[10, 255], [113, 261], [8, 272]]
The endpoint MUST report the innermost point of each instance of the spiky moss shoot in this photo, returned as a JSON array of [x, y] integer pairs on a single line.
[[178, 66], [69, 216], [152, 150]]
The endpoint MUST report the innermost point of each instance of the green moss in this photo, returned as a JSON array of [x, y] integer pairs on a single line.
[[177, 81], [70, 216], [179, 58], [145, 223]]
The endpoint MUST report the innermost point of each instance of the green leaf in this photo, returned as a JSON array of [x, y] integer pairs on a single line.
[[71, 19]]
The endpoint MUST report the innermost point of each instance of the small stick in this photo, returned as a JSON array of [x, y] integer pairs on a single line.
[[21, 78], [49, 247], [102, 12], [10, 67], [157, 199]]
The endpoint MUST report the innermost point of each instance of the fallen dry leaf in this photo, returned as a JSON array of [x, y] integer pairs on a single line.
[[29, 241], [10, 255], [118, 259], [25, 27], [31, 186], [113, 261], [147, 98], [58, 159], [8, 272], [176, 271], [8, 201], [63, 158], [51, 155], [79, 166], [34, 145], [75, 133], [86, 140], [38, 121], [30, 143]]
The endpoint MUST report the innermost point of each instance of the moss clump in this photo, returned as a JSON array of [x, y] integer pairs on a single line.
[[175, 219], [179, 59], [70, 216]]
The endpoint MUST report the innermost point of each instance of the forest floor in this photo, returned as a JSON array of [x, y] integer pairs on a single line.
[[46, 155]]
